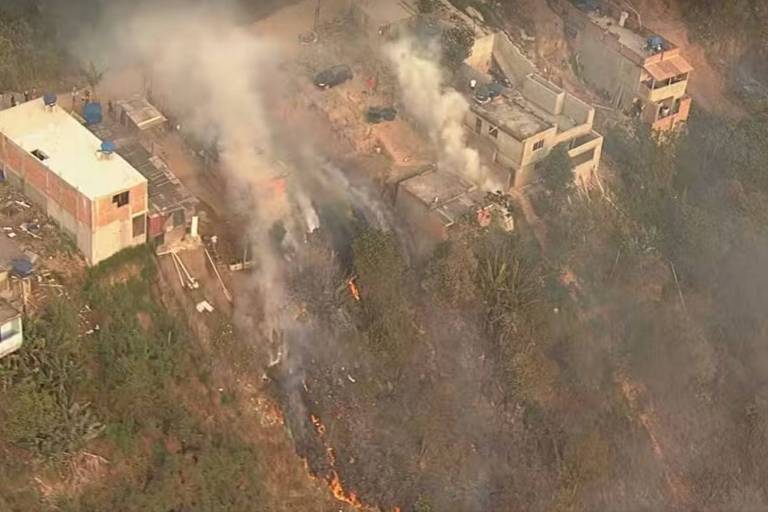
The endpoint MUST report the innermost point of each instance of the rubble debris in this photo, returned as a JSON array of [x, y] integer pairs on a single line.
[[204, 306]]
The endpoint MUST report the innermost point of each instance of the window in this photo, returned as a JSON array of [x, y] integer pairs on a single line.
[[139, 225], [493, 132], [121, 199], [40, 155], [538, 145], [478, 125]]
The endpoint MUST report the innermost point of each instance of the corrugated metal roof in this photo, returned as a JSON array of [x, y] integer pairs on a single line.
[[668, 68]]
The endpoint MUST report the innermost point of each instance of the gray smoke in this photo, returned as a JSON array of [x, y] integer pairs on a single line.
[[440, 109]]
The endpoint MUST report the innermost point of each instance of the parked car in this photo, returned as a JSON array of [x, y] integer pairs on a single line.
[[485, 93], [333, 76], [380, 114]]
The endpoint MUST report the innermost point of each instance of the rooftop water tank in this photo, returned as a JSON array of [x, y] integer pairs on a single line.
[[22, 267], [50, 100], [92, 113], [108, 147]]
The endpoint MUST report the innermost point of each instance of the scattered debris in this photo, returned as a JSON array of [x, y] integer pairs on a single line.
[[204, 306]]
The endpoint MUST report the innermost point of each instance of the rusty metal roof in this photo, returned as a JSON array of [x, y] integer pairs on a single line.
[[668, 68]]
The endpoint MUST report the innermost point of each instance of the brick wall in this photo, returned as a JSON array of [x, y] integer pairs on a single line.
[[108, 212], [46, 183]]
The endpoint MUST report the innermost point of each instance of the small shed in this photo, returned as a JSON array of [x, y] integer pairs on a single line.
[[138, 113]]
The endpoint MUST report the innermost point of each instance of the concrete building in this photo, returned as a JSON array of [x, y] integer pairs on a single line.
[[95, 196], [11, 335], [435, 202], [522, 125], [639, 71], [171, 205]]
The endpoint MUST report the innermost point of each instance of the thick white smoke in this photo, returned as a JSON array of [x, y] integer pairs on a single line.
[[441, 110], [212, 72]]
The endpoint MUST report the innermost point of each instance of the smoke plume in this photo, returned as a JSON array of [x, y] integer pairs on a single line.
[[441, 110]]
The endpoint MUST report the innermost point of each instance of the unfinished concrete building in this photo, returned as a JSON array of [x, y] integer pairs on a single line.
[[521, 127], [530, 116], [92, 194], [435, 202], [639, 71]]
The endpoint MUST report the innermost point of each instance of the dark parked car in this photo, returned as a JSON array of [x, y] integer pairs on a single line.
[[485, 93], [380, 114], [333, 76]]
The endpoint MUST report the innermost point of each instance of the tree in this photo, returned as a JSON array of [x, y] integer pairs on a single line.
[[93, 76], [557, 172], [457, 43]]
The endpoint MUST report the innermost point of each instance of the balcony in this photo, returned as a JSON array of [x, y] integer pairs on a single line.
[[668, 114], [652, 91]]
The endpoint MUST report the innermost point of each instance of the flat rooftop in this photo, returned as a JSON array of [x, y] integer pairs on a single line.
[[71, 150], [435, 189], [631, 39], [166, 193], [515, 115]]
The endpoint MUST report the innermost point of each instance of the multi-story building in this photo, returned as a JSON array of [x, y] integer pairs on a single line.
[[638, 71], [522, 126], [92, 193]]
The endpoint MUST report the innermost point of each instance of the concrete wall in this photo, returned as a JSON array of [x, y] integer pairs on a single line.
[[578, 110], [423, 224], [546, 95], [509, 151], [606, 69], [511, 60]]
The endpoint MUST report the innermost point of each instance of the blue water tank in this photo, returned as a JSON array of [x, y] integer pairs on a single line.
[[108, 147], [92, 113], [22, 267], [50, 100]]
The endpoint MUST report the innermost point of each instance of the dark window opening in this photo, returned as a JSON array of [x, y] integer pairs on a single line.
[[493, 132], [121, 199], [178, 218], [538, 145], [40, 155], [478, 125], [139, 225]]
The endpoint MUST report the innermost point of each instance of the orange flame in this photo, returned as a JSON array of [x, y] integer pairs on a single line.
[[333, 479], [353, 289], [318, 424], [340, 494]]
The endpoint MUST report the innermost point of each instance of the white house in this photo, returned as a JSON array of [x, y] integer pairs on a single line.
[[11, 335]]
